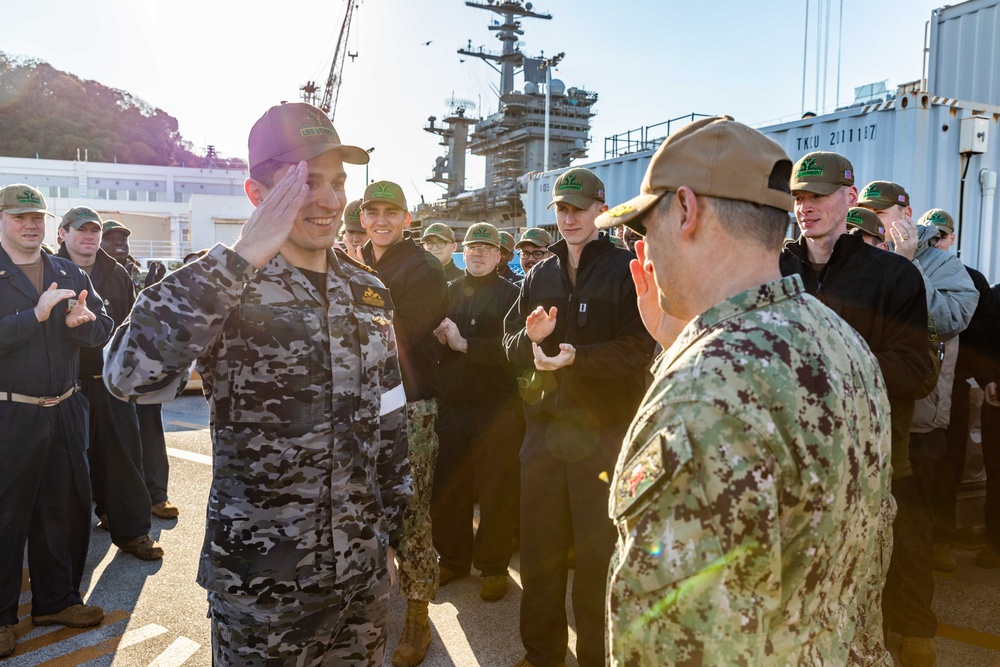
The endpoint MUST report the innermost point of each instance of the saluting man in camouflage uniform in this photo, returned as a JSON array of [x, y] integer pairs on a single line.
[[296, 346], [747, 492]]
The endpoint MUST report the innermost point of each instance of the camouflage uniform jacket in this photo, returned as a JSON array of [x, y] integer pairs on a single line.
[[748, 490], [310, 474]]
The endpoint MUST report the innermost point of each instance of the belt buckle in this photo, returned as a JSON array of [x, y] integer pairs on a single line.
[[48, 401]]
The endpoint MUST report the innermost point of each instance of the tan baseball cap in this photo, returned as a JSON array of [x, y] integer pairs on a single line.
[[880, 195], [438, 230], [352, 217], [483, 232], [822, 173], [79, 216], [715, 157], [384, 191], [297, 131], [535, 236], [577, 187], [866, 220], [20, 198], [940, 219]]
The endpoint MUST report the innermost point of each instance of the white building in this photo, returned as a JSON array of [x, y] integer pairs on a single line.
[[170, 210]]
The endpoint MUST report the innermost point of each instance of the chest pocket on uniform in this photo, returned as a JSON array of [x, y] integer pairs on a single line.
[[374, 326], [280, 364]]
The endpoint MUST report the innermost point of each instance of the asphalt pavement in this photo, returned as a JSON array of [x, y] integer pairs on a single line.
[[156, 613]]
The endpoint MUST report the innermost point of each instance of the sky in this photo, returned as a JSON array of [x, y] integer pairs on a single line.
[[217, 65]]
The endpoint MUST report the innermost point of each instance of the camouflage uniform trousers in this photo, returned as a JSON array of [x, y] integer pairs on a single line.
[[868, 647], [343, 624], [418, 562]]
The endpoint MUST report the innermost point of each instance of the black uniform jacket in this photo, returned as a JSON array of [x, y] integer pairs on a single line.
[[477, 306], [418, 288], [599, 317], [114, 284], [881, 295]]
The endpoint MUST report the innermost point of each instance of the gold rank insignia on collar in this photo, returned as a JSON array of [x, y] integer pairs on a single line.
[[370, 295]]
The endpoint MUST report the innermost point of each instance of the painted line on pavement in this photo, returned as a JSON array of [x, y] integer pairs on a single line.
[[63, 634], [968, 636], [177, 653], [189, 456], [105, 646]]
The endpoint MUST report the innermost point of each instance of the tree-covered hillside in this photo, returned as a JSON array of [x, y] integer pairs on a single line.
[[48, 113]]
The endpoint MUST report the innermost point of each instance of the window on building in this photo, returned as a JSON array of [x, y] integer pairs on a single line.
[[102, 193]]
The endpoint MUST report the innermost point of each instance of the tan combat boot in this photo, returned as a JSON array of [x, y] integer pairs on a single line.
[[416, 636], [918, 652]]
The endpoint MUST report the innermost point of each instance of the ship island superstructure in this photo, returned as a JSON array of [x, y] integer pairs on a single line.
[[512, 139]]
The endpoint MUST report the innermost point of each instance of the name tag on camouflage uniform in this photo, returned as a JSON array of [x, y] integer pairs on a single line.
[[369, 295], [658, 460]]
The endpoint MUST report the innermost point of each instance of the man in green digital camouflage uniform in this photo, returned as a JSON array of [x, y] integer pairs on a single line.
[[748, 489], [296, 346]]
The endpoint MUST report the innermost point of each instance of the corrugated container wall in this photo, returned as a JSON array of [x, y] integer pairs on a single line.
[[965, 52], [912, 140]]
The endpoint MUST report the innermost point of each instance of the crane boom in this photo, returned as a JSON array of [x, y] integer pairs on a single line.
[[332, 89]]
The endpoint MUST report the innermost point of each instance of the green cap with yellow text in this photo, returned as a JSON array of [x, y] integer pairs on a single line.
[[438, 230], [384, 191], [940, 219], [79, 216], [20, 198], [866, 220], [880, 195], [483, 232], [822, 173], [577, 187]]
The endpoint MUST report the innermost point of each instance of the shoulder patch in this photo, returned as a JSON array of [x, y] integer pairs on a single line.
[[370, 295], [663, 454]]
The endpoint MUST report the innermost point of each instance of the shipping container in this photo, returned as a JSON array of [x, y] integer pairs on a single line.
[[964, 51], [914, 140]]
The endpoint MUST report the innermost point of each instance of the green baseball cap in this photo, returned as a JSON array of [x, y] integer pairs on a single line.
[[577, 187], [384, 191], [880, 195], [507, 242], [821, 173], [352, 217], [483, 232], [77, 217], [438, 230], [866, 220], [297, 131], [940, 219], [535, 236], [115, 226], [20, 198]]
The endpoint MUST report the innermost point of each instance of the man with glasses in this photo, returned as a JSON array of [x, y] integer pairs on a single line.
[[479, 404], [533, 247], [439, 240]]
